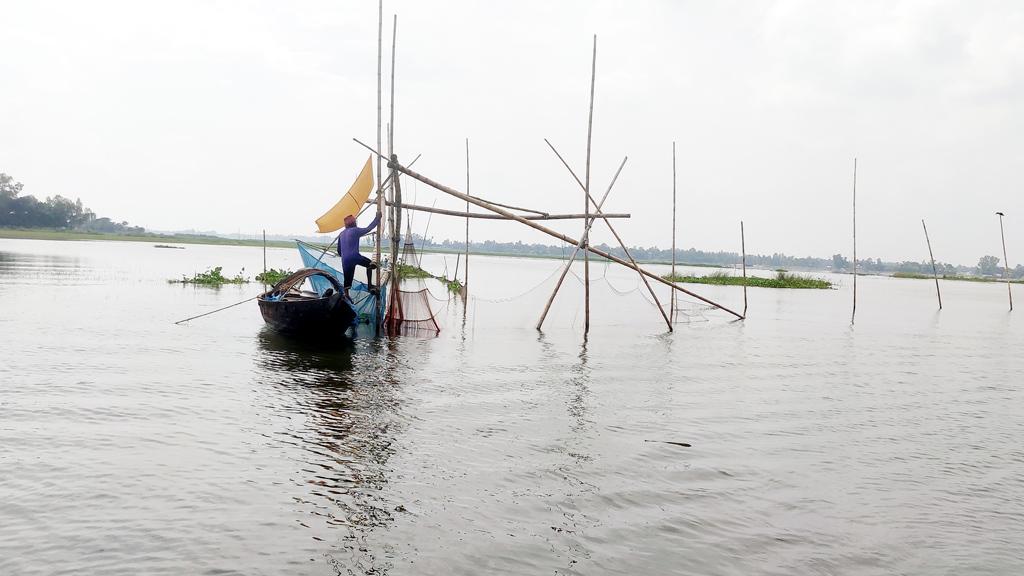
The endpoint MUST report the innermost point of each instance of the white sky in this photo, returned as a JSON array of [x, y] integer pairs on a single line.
[[238, 116]]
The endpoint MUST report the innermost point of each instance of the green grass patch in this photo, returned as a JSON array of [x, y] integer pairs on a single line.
[[782, 279], [410, 271], [212, 277]]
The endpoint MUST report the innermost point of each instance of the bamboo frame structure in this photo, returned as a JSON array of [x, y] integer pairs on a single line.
[[611, 229], [582, 242], [1006, 262], [935, 271], [555, 234]]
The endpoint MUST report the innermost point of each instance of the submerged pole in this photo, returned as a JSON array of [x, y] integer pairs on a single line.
[[586, 196], [465, 286], [1006, 263], [554, 234], [264, 256], [743, 250], [672, 303], [853, 315], [935, 271]]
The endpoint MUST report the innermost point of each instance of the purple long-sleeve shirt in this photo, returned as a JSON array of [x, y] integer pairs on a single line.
[[348, 241]]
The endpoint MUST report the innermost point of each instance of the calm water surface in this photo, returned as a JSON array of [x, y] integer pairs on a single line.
[[130, 445]]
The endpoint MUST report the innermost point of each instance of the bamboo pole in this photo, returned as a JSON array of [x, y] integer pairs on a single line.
[[380, 187], [935, 271], [554, 234], [586, 195], [672, 295], [1006, 263], [622, 244], [743, 250], [264, 255], [582, 242], [465, 286], [853, 315], [483, 216]]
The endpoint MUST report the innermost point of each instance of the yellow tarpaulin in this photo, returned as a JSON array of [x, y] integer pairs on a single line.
[[351, 203]]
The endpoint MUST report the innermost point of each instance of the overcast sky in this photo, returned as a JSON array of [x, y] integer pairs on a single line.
[[237, 116]]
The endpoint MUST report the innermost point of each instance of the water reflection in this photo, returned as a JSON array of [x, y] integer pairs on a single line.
[[342, 401]]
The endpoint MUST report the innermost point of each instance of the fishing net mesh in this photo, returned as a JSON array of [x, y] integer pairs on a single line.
[[364, 303]]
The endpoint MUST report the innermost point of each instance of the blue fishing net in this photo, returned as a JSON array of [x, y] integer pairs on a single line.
[[364, 303]]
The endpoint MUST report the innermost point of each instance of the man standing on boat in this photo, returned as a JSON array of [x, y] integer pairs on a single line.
[[348, 249]]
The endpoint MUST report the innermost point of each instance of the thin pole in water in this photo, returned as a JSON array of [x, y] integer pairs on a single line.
[[380, 186], [465, 287], [1006, 263], [586, 196], [743, 249], [264, 256], [853, 315], [935, 271], [672, 302]]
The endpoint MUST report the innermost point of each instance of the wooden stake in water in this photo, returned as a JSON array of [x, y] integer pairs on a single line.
[[264, 256], [672, 301], [853, 315], [380, 186], [1006, 263], [465, 286], [743, 249], [935, 270], [586, 196]]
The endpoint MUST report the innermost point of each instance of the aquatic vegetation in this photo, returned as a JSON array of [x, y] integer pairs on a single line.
[[410, 271], [212, 277], [916, 276], [168, 246], [782, 279], [273, 276]]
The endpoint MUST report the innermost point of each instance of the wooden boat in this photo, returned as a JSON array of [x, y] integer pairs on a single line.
[[291, 311]]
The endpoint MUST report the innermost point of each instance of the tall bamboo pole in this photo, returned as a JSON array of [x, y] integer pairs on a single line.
[[743, 250], [853, 315], [935, 271], [380, 187], [618, 239], [465, 286], [586, 195], [554, 234], [1006, 263], [672, 303]]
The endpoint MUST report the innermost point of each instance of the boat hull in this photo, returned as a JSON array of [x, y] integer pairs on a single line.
[[307, 316]]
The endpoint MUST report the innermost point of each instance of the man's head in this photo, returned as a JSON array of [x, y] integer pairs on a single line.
[[350, 221]]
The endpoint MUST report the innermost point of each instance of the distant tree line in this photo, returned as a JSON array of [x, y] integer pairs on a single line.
[[987, 266], [56, 212]]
